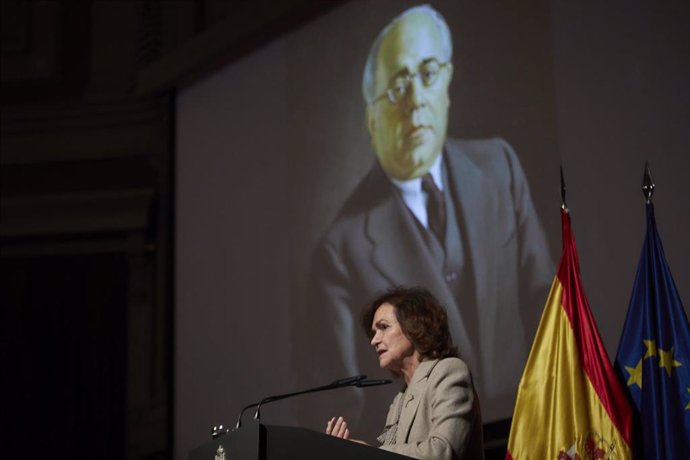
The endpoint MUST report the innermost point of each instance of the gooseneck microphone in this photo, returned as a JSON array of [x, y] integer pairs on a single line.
[[372, 383], [357, 381], [340, 383], [354, 381]]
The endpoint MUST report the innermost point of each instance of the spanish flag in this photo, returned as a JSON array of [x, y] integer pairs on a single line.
[[570, 404]]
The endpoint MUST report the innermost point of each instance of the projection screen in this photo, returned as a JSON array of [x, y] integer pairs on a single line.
[[280, 224]]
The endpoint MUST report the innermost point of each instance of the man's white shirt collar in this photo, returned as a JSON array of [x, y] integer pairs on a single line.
[[412, 194]]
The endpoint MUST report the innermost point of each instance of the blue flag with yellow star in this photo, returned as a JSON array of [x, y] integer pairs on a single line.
[[653, 356]]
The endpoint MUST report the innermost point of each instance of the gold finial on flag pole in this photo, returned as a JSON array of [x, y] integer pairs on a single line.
[[647, 183]]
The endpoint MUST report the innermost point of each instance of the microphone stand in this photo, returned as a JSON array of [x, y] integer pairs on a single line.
[[358, 381]]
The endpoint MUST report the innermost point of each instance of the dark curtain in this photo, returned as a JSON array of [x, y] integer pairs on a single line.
[[63, 336]]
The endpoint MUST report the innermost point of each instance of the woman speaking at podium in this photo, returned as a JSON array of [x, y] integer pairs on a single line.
[[436, 414]]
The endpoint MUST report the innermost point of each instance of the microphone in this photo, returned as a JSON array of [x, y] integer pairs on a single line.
[[340, 383], [372, 383], [356, 380], [347, 381]]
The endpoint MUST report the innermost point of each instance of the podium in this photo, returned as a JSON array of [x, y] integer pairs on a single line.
[[271, 442]]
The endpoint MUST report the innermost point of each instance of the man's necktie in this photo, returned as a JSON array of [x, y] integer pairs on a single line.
[[435, 208]]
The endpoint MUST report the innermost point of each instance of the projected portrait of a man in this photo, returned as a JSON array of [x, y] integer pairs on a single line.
[[453, 216]]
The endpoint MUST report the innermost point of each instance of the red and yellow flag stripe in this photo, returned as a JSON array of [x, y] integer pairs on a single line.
[[570, 403]]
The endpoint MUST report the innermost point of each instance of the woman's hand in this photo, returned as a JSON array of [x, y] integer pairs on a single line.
[[338, 428]]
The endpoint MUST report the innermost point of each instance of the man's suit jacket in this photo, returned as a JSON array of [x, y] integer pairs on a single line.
[[440, 417], [375, 243]]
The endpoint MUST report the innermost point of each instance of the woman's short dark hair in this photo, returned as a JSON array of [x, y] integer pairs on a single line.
[[422, 319]]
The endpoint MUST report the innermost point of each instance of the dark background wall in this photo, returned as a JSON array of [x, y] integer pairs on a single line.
[[86, 212], [64, 340]]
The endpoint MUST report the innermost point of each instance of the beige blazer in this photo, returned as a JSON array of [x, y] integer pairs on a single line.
[[440, 418]]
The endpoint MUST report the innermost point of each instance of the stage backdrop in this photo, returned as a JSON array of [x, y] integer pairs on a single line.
[[268, 149]]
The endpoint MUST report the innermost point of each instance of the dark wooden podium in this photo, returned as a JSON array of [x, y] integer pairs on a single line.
[[271, 442]]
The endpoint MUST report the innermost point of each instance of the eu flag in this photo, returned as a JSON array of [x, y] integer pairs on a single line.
[[653, 356]]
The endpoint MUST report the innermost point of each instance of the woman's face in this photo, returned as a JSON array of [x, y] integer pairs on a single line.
[[396, 352]]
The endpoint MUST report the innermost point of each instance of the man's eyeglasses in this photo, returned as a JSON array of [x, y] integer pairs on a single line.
[[428, 73]]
